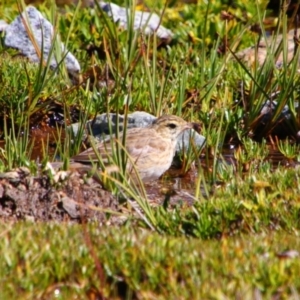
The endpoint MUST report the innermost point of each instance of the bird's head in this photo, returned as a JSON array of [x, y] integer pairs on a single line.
[[170, 126]]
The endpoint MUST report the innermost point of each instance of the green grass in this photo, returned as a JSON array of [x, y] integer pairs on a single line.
[[226, 245], [130, 263]]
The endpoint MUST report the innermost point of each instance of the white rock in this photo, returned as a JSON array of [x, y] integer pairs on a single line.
[[148, 22], [16, 36], [3, 25]]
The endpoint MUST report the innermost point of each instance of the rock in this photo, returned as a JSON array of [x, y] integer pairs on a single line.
[[12, 176], [185, 137], [281, 126], [145, 21], [3, 25], [16, 195], [15, 175], [99, 128], [16, 36], [249, 55], [24, 171], [269, 108], [70, 206]]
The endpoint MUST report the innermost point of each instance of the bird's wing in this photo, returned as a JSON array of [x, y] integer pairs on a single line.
[[144, 145], [138, 143]]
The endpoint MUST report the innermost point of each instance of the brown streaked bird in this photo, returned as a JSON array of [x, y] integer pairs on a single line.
[[151, 148]]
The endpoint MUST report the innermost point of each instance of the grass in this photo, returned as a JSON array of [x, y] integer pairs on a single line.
[[57, 263], [228, 244], [231, 244]]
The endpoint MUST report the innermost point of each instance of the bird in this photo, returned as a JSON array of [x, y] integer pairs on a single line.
[[151, 149]]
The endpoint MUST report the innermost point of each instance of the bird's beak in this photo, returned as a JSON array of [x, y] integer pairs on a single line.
[[189, 126]]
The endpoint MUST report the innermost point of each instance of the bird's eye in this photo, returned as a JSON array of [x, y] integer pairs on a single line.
[[172, 125]]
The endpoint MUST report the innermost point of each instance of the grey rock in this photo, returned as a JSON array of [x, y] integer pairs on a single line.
[[70, 207], [268, 110], [15, 175], [16, 195], [16, 36], [3, 25], [12, 176], [99, 128], [185, 138], [145, 21]]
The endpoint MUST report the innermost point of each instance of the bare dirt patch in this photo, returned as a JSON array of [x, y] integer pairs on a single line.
[[76, 199], [71, 196]]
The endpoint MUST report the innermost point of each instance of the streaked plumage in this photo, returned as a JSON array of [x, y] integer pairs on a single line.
[[151, 148]]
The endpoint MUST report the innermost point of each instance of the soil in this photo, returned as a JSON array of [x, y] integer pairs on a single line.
[[40, 198], [69, 196]]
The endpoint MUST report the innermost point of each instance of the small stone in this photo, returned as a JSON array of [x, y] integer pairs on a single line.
[[70, 207], [16, 195], [288, 254], [144, 21], [29, 218], [24, 170], [22, 187], [10, 176]]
